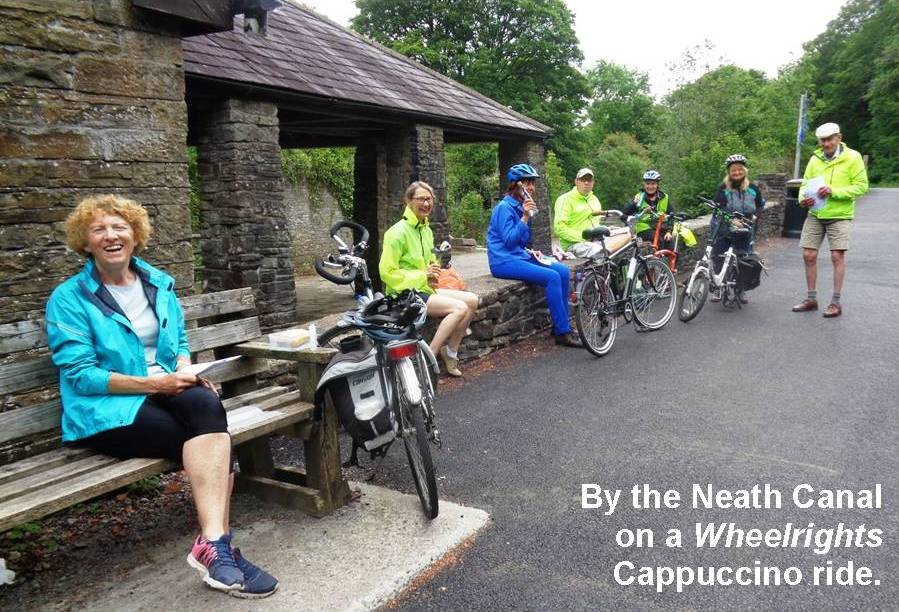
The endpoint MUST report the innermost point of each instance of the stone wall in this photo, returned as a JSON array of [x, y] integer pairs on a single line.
[[91, 101], [242, 214], [310, 212]]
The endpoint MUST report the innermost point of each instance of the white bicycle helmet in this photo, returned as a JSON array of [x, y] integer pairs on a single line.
[[652, 175], [735, 159]]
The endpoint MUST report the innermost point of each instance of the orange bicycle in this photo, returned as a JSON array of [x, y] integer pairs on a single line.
[[678, 231]]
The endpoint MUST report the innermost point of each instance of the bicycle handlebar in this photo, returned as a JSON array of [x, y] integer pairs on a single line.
[[347, 272], [361, 246]]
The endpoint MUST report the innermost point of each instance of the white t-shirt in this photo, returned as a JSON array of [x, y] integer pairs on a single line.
[[134, 303]]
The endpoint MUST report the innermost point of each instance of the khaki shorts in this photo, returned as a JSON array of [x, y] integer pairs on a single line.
[[814, 230]]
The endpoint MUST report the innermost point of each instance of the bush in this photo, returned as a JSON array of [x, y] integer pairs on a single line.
[[619, 164], [469, 218]]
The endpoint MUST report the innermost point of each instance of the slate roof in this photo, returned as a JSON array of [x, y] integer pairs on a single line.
[[305, 53]]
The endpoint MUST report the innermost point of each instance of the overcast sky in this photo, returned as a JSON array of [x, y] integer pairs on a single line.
[[651, 35]]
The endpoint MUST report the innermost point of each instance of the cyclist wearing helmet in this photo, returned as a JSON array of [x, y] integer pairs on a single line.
[[408, 263], [575, 211], [735, 194], [508, 235], [655, 200]]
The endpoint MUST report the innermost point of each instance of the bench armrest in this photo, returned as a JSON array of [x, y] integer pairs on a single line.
[[267, 351]]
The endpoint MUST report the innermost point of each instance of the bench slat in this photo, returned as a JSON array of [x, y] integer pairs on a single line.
[[223, 334], [21, 422], [51, 476], [26, 375], [36, 463], [218, 303], [38, 503], [22, 336]]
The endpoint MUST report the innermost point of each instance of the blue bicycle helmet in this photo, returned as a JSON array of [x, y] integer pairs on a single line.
[[652, 175], [521, 171]]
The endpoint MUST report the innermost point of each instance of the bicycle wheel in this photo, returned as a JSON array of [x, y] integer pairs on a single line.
[[691, 300], [596, 324], [653, 294], [415, 439]]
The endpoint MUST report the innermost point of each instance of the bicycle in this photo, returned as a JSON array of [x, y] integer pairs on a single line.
[[408, 369], [678, 230], [623, 283], [694, 295]]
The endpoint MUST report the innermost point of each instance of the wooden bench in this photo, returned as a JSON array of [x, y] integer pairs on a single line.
[[45, 477]]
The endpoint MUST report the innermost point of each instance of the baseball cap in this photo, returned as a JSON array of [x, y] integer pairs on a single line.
[[584, 172], [827, 129]]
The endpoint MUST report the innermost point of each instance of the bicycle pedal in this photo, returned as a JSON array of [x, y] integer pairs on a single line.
[[435, 438]]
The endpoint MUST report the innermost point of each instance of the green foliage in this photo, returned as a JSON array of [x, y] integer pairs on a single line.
[[147, 487], [471, 168], [468, 217], [556, 183], [855, 63], [193, 175], [522, 53], [325, 168], [619, 164], [620, 102]]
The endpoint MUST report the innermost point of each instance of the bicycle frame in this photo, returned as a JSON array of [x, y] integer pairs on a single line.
[[716, 281], [669, 255]]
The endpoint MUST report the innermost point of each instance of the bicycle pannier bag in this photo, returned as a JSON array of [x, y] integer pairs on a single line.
[[749, 272], [354, 382]]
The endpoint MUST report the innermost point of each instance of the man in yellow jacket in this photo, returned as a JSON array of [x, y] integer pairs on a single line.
[[575, 211], [834, 178]]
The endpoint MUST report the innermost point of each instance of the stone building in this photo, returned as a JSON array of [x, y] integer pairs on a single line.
[[104, 95]]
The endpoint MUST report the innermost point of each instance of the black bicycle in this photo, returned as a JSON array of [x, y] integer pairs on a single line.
[[623, 283], [407, 367]]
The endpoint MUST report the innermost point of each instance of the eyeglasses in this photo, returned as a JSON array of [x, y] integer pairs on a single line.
[[422, 199]]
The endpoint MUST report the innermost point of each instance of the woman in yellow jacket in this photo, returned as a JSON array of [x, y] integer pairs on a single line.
[[408, 263]]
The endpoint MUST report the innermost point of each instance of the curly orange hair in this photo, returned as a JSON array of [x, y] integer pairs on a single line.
[[89, 209]]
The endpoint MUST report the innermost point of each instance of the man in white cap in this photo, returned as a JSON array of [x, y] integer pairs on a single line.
[[840, 175], [575, 211]]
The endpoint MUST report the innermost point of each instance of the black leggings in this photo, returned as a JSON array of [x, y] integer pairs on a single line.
[[162, 425]]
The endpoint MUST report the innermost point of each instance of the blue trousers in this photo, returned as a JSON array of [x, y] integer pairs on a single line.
[[553, 278]]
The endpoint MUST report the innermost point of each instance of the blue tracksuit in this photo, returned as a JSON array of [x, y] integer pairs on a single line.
[[507, 237]]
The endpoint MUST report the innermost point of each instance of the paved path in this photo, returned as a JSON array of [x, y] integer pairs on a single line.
[[762, 395]]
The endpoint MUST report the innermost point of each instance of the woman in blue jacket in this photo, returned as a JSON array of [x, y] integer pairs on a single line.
[[507, 237], [117, 335]]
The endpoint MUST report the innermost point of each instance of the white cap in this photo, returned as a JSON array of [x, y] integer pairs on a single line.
[[584, 172], [827, 129]]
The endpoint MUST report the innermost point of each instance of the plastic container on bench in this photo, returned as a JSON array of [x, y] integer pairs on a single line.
[[297, 338]]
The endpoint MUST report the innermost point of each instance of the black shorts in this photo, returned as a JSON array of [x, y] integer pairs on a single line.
[[162, 425]]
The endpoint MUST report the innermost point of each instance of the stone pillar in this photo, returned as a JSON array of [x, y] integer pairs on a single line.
[[91, 102], [531, 152], [383, 171], [243, 226]]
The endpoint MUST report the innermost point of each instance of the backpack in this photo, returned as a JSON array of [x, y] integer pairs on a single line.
[[354, 382], [749, 271]]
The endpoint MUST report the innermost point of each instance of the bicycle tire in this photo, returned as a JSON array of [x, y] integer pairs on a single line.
[[592, 315], [331, 337], [418, 452], [699, 293], [656, 275]]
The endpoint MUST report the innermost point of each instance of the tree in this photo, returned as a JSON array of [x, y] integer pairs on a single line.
[[619, 163], [522, 53], [620, 102]]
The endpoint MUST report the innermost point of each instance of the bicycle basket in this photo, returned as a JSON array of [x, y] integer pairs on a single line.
[[749, 272]]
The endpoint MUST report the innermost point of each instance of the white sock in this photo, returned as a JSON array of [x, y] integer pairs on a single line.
[[451, 353]]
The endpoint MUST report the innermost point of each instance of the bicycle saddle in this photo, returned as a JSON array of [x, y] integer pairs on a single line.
[[600, 231], [739, 231]]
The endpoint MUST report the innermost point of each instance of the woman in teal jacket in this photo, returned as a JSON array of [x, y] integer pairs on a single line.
[[117, 335], [408, 263]]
